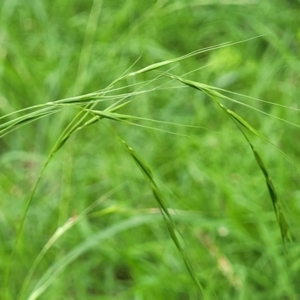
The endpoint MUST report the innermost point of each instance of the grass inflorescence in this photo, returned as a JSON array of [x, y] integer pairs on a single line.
[[160, 182]]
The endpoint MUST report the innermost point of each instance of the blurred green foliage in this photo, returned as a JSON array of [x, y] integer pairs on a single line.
[[51, 50]]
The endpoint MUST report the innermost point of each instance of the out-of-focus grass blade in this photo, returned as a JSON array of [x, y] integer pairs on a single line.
[[62, 230], [61, 264]]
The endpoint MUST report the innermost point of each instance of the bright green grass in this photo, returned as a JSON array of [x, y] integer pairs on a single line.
[[149, 188]]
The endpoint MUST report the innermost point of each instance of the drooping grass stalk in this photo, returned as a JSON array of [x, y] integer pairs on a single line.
[[271, 188], [145, 169], [239, 121]]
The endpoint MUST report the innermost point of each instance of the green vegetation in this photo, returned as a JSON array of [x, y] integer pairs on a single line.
[[134, 166]]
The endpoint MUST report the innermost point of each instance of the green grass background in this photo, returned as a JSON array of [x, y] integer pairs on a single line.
[[216, 193]]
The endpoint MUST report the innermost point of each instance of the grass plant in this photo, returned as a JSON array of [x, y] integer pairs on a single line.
[[177, 178]]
